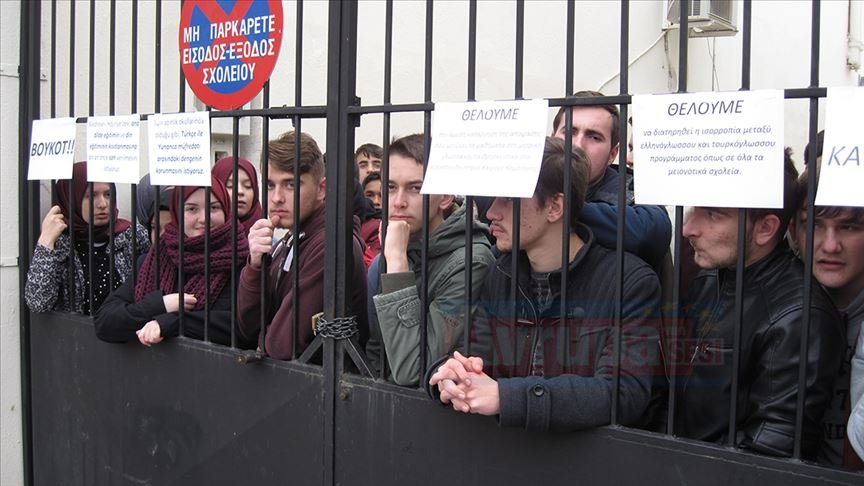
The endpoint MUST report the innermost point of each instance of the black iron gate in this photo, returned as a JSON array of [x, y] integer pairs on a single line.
[[187, 413]]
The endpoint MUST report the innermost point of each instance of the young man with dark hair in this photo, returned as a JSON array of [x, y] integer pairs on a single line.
[[368, 159], [562, 375], [279, 314], [838, 264], [397, 303], [773, 287], [372, 188], [647, 230]]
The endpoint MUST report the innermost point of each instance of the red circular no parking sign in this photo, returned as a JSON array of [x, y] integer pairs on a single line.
[[228, 48]]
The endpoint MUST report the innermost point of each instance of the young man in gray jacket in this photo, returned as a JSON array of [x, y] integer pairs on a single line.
[[398, 303], [539, 369]]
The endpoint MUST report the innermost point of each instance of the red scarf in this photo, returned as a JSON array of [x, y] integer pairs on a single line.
[[194, 258]]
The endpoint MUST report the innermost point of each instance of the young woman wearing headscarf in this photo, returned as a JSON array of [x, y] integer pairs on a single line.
[[149, 310], [248, 203], [47, 286]]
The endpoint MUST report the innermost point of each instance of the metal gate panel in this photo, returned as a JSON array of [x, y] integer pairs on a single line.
[[184, 413]]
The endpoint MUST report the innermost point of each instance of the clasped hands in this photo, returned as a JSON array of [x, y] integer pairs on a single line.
[[463, 384]]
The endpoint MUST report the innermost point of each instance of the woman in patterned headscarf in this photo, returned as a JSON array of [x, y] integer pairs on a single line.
[[47, 286], [150, 309]]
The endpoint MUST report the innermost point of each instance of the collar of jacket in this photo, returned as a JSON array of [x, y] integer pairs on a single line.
[[448, 237], [755, 272], [505, 264], [606, 189]]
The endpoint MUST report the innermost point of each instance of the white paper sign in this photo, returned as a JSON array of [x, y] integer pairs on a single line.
[[488, 148], [179, 149], [113, 144], [841, 179], [52, 149], [709, 149]]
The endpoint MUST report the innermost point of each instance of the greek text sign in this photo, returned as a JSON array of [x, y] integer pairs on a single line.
[[52, 149], [113, 144], [179, 149], [841, 181], [228, 48], [709, 149], [489, 148]]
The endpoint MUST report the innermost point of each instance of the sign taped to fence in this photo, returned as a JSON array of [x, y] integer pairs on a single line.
[[113, 148], [486, 148], [228, 49], [841, 179], [52, 149], [179, 149], [709, 149]]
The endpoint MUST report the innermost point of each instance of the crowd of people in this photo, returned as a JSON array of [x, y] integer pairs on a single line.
[[548, 337]]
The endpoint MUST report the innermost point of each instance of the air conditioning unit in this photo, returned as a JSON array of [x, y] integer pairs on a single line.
[[707, 18]]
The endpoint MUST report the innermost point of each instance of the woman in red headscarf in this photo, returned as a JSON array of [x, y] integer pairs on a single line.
[[47, 286], [248, 203], [149, 310]]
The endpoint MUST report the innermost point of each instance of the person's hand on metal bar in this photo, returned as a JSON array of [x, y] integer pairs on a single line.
[[172, 302], [261, 239], [53, 226]]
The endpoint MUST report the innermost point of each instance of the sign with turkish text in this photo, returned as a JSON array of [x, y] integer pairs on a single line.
[[228, 48], [113, 148], [179, 149], [841, 179], [52, 149], [709, 149], [486, 148]]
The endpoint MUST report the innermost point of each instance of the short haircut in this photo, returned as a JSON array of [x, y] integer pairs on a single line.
[[824, 211], [612, 109], [820, 142], [369, 150], [371, 177], [410, 146], [551, 179], [280, 154], [790, 197]]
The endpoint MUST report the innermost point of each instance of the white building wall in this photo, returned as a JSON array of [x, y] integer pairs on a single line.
[[11, 458], [780, 59]]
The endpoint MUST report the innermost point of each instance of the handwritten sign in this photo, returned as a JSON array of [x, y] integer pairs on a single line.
[[179, 149], [52, 149], [709, 149], [489, 148], [113, 144], [841, 179]]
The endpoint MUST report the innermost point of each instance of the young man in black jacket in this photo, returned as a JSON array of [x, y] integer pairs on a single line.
[[771, 331], [538, 369]]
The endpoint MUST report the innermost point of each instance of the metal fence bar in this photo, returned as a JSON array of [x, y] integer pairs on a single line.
[[427, 145], [179, 196], [29, 97], [516, 202], [568, 160], [815, 20], [295, 240], [133, 110], [740, 263], [265, 200], [71, 204], [622, 203], [235, 183], [385, 162], [112, 82], [469, 200], [91, 72]]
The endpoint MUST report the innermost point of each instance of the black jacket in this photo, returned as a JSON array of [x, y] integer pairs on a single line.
[[562, 375], [120, 316], [770, 345]]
